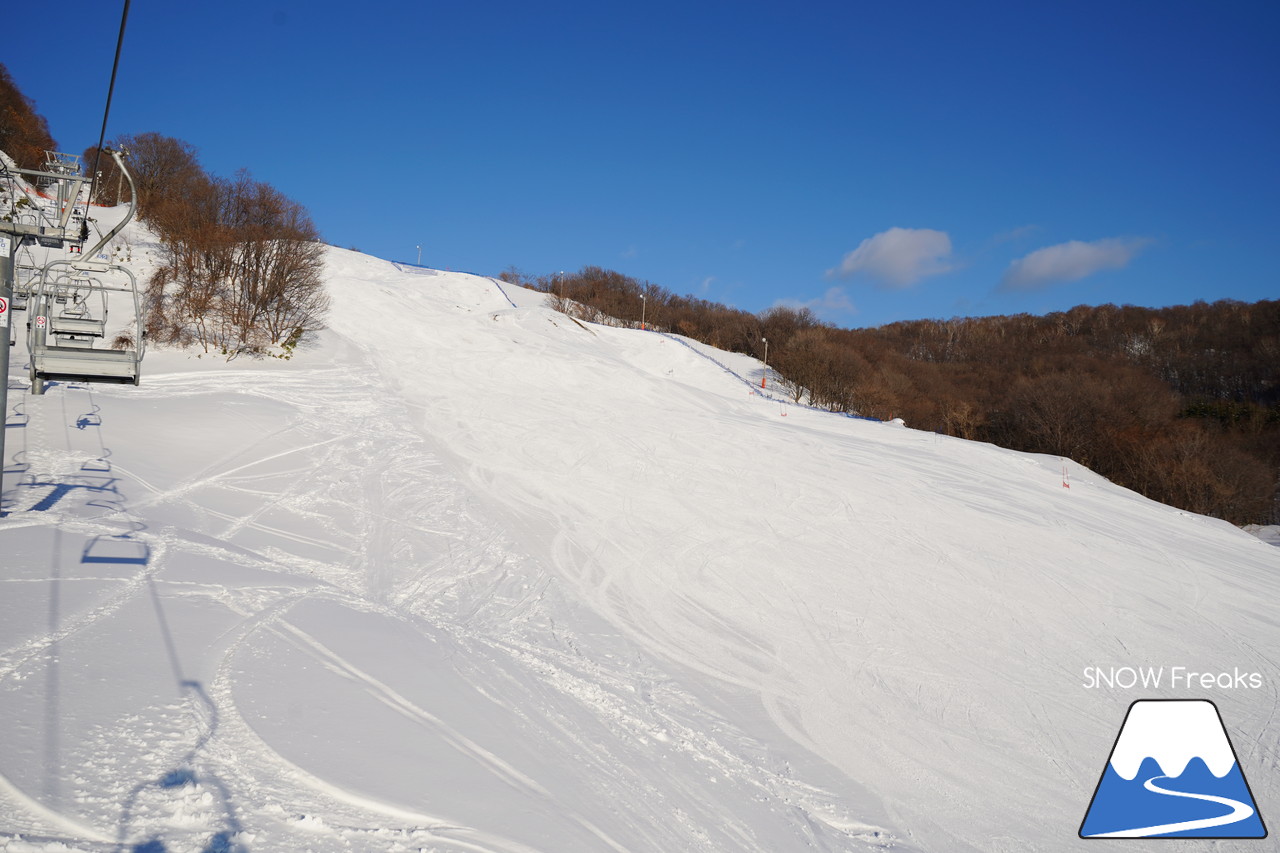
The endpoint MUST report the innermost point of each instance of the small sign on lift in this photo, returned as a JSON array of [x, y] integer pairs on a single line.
[[4, 313]]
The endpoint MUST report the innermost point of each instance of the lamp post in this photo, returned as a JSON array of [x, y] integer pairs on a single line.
[[419, 256], [643, 303], [765, 375]]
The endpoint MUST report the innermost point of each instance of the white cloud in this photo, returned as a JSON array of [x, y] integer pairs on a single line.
[[835, 301], [1015, 234], [899, 257], [1070, 262]]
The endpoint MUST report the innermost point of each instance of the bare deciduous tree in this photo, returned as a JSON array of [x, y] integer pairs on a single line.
[[242, 269]]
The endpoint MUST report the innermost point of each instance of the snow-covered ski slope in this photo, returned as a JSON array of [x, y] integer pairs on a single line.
[[473, 577]]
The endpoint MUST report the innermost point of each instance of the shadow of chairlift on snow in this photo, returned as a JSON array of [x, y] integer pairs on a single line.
[[91, 419], [155, 795], [176, 781], [93, 476], [117, 550], [17, 419]]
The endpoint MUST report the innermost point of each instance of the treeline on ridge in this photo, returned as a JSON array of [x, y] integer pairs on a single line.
[[1181, 404]]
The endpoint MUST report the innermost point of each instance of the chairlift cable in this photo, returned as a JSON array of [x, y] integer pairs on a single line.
[[115, 66]]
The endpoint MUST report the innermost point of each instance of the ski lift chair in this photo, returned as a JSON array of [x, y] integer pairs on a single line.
[[76, 319], [78, 354]]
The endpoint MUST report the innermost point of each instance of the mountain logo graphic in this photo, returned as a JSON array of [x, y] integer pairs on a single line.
[[1172, 773]]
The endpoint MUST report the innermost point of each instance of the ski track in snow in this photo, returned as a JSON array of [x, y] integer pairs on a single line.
[[729, 605], [477, 577], [331, 495]]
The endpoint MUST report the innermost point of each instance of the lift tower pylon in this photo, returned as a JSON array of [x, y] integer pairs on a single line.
[[52, 228]]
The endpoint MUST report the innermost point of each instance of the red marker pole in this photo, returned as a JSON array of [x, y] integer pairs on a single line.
[[765, 375]]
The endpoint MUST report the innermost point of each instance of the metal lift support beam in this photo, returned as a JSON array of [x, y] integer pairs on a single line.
[[8, 248], [11, 234]]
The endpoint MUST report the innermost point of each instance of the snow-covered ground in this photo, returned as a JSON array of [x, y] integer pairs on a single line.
[[467, 575], [1266, 532]]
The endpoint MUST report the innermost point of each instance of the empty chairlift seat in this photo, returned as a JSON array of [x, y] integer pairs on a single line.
[[83, 315], [73, 310]]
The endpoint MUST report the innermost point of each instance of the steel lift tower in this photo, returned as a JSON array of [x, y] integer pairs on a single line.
[[54, 226]]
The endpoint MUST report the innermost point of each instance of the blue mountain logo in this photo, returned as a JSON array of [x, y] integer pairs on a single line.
[[1172, 773]]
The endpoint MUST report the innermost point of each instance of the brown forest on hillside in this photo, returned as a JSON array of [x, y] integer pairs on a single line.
[[1181, 404], [24, 133]]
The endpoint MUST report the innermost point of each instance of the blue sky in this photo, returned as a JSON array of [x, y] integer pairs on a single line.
[[875, 161]]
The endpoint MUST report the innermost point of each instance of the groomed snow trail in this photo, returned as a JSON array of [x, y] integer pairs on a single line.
[[255, 607], [916, 609], [475, 577]]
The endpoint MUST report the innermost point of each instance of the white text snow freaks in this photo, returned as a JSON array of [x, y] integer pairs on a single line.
[[1173, 677]]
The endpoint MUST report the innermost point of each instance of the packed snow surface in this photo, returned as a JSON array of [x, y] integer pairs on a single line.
[[468, 575]]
